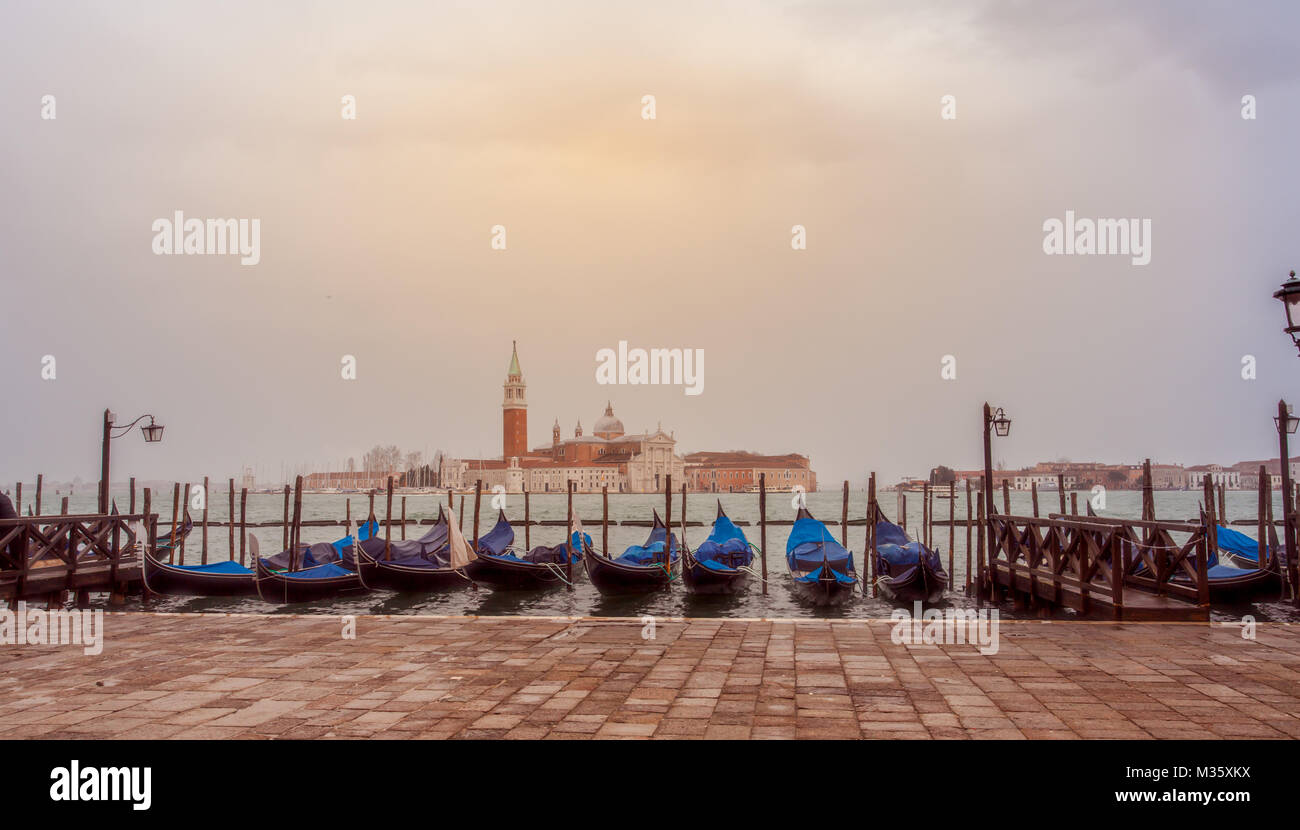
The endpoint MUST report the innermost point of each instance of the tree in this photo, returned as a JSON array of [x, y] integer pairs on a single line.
[[942, 475]]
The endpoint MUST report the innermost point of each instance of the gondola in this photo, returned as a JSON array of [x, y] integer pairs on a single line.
[[541, 567], [640, 569], [1244, 579], [321, 573], [219, 579], [906, 571], [822, 569], [164, 543], [721, 563], [423, 565]]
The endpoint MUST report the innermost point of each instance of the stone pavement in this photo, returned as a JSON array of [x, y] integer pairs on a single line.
[[294, 676]]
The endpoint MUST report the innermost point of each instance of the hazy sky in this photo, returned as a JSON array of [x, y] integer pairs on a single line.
[[924, 235]]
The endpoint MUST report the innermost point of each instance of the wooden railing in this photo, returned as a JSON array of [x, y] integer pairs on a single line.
[[71, 552], [1099, 559]]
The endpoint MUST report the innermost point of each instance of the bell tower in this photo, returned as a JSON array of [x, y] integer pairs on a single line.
[[514, 411]]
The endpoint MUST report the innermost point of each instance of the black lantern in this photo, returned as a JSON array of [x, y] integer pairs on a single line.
[[153, 432], [1289, 294], [1001, 423], [1291, 421]]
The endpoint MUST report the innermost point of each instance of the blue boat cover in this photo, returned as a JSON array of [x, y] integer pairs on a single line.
[[897, 550], [326, 571], [652, 551], [228, 567], [544, 555], [323, 552], [500, 537], [1236, 542], [726, 548], [810, 545]]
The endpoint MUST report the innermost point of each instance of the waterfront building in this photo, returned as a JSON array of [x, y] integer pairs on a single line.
[[738, 472]]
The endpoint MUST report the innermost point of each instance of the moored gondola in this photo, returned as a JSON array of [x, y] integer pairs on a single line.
[[721, 563], [425, 564], [1244, 579], [906, 570], [821, 568], [541, 567], [318, 572], [228, 578], [641, 568]]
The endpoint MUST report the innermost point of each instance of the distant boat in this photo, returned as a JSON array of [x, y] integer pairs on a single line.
[[822, 569], [719, 565]]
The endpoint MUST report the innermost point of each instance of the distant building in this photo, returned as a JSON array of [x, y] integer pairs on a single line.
[[608, 457], [738, 471], [1218, 475]]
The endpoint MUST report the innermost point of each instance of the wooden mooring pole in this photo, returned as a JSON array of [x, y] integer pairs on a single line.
[[478, 497], [204, 560], [176, 503], [870, 553], [243, 523], [952, 530], [762, 525], [388, 524], [604, 519], [970, 509], [844, 517], [528, 545]]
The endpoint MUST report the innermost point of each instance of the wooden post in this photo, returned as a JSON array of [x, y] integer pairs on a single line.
[[40, 483], [388, 524], [1060, 490], [295, 537], [185, 512], [372, 503], [979, 537], [682, 541], [478, 495], [1033, 496], [130, 509], [1006, 497], [902, 510], [1223, 502], [63, 510], [1074, 504], [176, 503], [844, 518], [668, 523], [1265, 490], [568, 539], [205, 520], [762, 524], [970, 510], [243, 524], [230, 519], [286, 517], [1148, 493], [604, 520], [527, 522], [461, 519], [403, 517], [925, 514], [18, 498], [870, 553], [952, 530]]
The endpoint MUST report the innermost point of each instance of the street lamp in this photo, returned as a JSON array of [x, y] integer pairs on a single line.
[[1289, 294], [151, 431], [1286, 424], [994, 421]]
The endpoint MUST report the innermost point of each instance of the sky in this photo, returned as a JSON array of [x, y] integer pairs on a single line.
[[924, 234]]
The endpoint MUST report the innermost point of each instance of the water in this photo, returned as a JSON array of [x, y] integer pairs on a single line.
[[585, 600]]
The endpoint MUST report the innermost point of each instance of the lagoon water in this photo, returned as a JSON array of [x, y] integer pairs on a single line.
[[584, 599]]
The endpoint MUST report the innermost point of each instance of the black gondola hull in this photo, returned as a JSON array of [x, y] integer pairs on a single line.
[[823, 593], [701, 580], [161, 578], [274, 587], [921, 584], [394, 577], [499, 575], [612, 577]]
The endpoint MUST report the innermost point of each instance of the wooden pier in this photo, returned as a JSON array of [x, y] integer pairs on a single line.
[[1121, 569], [44, 557]]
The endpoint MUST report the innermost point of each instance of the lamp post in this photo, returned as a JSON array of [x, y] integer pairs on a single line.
[[1289, 294], [152, 434], [1286, 425], [994, 421]]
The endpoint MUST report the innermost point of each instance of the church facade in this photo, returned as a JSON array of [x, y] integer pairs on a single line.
[[607, 458]]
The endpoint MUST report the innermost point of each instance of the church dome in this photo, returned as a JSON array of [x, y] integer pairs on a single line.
[[607, 426]]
